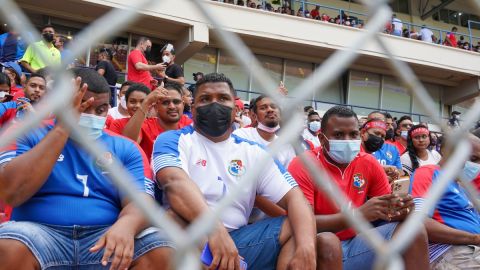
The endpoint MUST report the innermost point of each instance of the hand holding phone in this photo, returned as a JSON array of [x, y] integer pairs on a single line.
[[401, 185], [207, 258]]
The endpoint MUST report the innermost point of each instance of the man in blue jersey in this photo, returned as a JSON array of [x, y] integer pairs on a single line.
[[453, 227], [199, 165], [67, 212]]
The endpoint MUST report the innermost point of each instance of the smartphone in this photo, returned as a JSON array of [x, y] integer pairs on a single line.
[[401, 185], [207, 258]]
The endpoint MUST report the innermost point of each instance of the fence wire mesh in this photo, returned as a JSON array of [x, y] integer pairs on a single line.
[[187, 240]]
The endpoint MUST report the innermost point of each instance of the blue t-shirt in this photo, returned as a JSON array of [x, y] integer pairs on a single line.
[[388, 155], [78, 191]]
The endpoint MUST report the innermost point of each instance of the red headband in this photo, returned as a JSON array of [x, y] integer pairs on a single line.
[[375, 124], [419, 131]]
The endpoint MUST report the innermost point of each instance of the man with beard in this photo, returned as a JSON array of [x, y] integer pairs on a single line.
[[268, 118], [187, 102], [198, 165], [34, 90], [169, 106], [138, 67], [32, 61]]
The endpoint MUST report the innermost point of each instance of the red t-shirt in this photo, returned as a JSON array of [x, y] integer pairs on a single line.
[[314, 13], [453, 39], [149, 131], [135, 75], [400, 147], [362, 179]]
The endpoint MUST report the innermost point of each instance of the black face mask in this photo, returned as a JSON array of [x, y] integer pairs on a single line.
[[48, 37], [390, 134], [148, 50], [373, 143], [213, 119]]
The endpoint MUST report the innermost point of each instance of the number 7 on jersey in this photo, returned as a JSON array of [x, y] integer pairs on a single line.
[[83, 179]]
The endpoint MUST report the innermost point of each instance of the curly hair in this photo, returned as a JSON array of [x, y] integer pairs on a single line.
[[412, 152]]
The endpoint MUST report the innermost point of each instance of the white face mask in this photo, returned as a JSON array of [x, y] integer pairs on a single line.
[[470, 171], [268, 129], [314, 126], [2, 94], [343, 151], [93, 123], [166, 59], [404, 134], [123, 102]]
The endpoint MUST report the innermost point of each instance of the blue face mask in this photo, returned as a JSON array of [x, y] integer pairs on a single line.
[[470, 171], [343, 151], [314, 126], [404, 134], [93, 123]]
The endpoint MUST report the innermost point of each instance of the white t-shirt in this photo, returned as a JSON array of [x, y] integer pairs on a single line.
[[217, 168], [251, 134], [307, 135], [398, 24], [433, 158], [426, 35], [115, 114]]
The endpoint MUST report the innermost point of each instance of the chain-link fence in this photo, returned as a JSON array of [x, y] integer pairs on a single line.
[[187, 240]]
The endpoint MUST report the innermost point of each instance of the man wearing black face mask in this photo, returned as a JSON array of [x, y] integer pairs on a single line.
[[32, 61], [201, 164]]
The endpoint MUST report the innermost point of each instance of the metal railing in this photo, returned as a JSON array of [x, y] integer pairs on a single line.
[[388, 252]]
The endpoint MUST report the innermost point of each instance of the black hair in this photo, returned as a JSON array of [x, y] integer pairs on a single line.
[[106, 51], [37, 75], [313, 113], [387, 115], [4, 79], [96, 82], [215, 78], [173, 86], [44, 72], [141, 40], [253, 106], [18, 79], [48, 26], [340, 111], [403, 118], [140, 87], [307, 108], [126, 83], [412, 152]]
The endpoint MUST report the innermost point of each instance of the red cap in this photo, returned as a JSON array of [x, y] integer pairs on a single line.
[[239, 103]]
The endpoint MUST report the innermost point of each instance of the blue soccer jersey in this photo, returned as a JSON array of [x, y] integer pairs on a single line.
[[78, 191], [388, 155]]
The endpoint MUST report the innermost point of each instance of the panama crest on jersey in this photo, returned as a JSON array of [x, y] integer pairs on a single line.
[[358, 181], [236, 167]]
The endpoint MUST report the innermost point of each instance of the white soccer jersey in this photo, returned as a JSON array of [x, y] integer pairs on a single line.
[[307, 135], [251, 134], [217, 168]]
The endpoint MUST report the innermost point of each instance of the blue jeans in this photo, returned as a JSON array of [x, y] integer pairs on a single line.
[[258, 243], [67, 247], [358, 254]]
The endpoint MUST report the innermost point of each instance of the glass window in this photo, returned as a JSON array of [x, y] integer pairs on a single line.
[[444, 15], [333, 93], [434, 91], [203, 61], [274, 68], [395, 96], [364, 89], [295, 73], [453, 17], [228, 65]]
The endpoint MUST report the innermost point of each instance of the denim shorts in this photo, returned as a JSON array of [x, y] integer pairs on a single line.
[[67, 247], [258, 243], [358, 254]]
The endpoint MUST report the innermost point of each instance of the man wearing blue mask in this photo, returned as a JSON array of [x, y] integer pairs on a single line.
[[364, 183], [454, 225], [67, 212], [200, 164], [310, 133]]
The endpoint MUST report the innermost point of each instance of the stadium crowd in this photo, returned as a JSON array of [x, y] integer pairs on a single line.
[[187, 148]]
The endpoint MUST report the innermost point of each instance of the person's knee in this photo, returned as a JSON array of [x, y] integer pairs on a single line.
[[159, 258], [329, 247], [15, 255]]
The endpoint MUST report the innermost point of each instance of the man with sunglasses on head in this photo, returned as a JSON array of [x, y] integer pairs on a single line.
[[169, 106]]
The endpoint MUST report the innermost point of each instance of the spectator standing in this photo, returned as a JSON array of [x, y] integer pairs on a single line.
[[418, 152], [315, 13], [451, 39], [138, 67], [12, 47], [397, 26], [105, 67], [453, 227], [362, 180], [427, 35], [310, 133], [84, 222], [173, 72], [196, 76], [454, 120], [168, 104], [32, 61], [60, 43]]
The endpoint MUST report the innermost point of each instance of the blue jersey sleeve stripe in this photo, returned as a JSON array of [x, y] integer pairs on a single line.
[[290, 179], [7, 156], [418, 203], [163, 161], [149, 187]]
